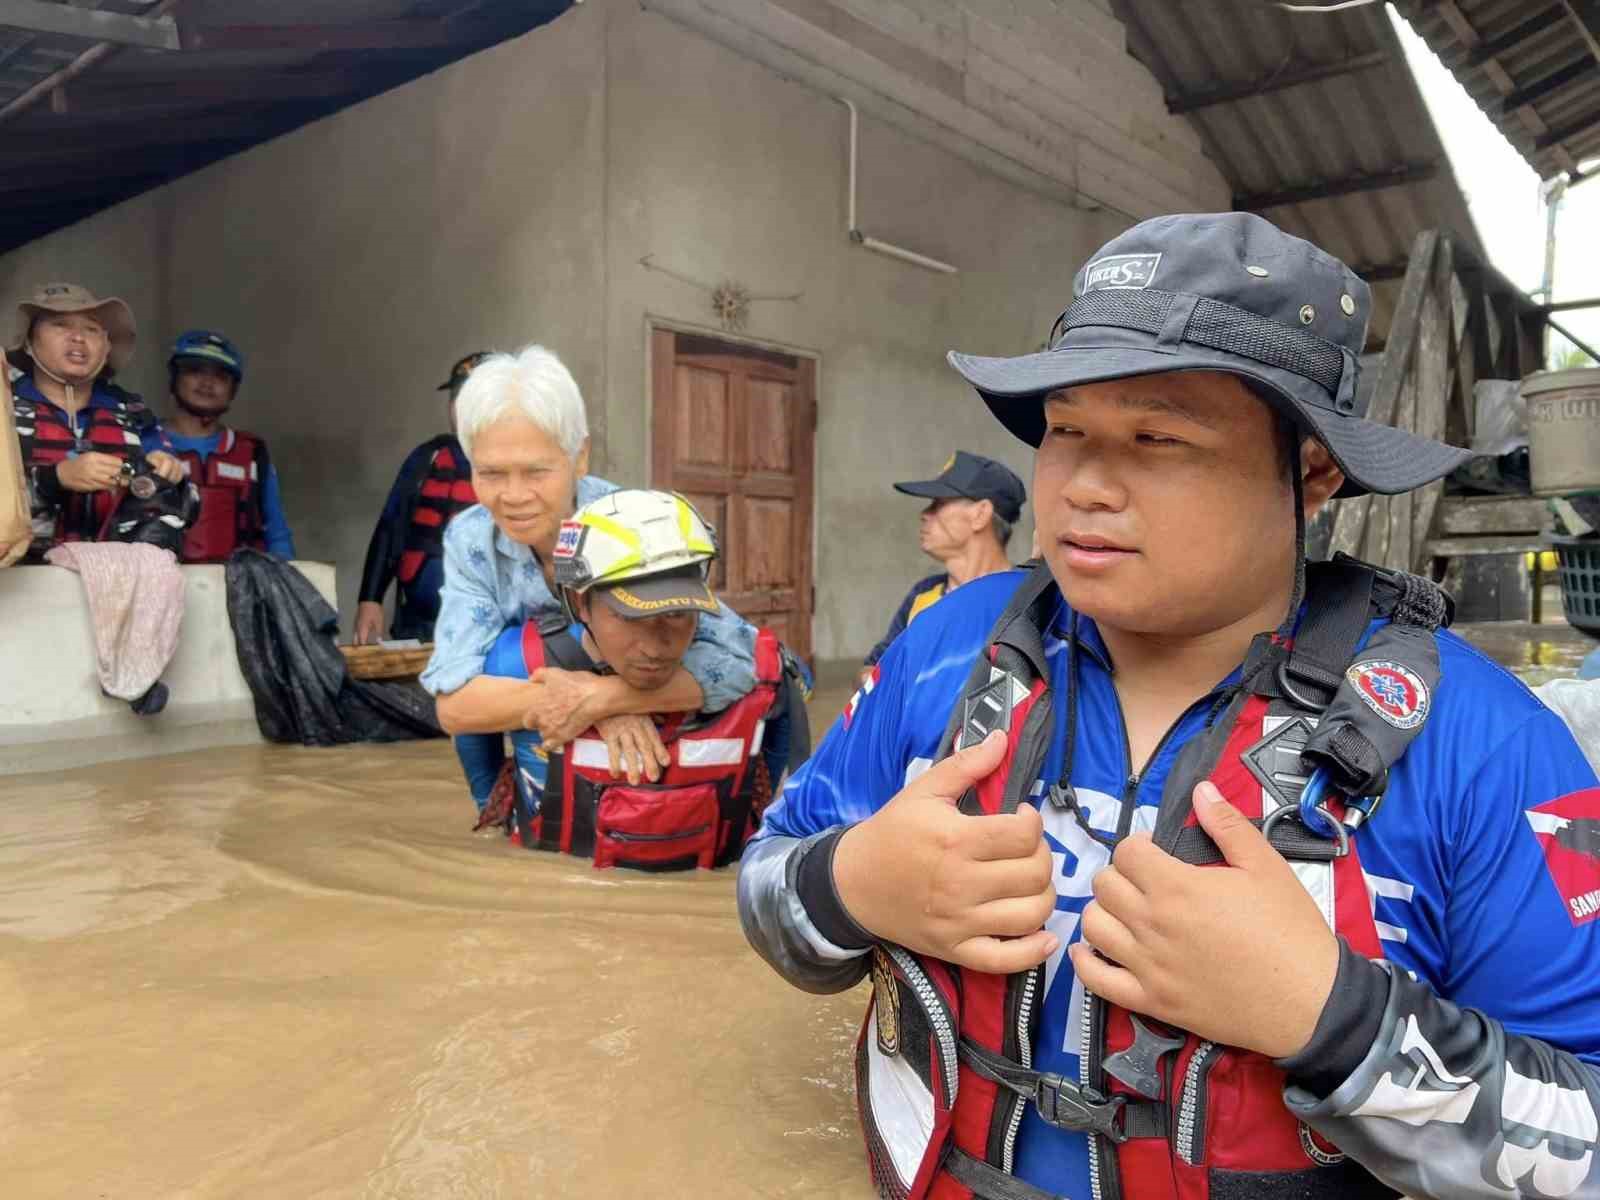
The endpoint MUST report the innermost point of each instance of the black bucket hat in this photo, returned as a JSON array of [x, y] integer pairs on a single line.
[[1221, 292]]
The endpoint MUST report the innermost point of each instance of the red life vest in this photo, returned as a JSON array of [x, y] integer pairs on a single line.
[[229, 482], [47, 438], [446, 490], [942, 1064], [700, 813]]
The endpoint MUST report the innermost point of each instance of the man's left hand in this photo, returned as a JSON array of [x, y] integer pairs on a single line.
[[1239, 954], [565, 704], [164, 465]]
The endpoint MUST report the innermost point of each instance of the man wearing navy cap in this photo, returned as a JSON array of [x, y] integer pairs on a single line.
[[973, 503], [1181, 867], [407, 545]]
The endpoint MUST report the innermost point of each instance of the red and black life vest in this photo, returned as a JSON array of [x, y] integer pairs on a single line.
[[942, 1065], [446, 489], [700, 813], [229, 481], [47, 438]]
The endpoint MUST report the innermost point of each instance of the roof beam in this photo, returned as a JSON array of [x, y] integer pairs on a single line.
[[1383, 272], [1493, 47], [1578, 68], [127, 92], [35, 16], [49, 140], [1567, 133], [1411, 173], [111, 173], [372, 35], [1276, 82]]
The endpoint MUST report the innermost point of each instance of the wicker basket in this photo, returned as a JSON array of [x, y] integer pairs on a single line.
[[386, 662]]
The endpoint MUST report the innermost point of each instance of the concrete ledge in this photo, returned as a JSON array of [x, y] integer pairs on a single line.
[[52, 712]]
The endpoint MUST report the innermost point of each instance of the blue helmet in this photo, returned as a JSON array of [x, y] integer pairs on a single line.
[[204, 346]]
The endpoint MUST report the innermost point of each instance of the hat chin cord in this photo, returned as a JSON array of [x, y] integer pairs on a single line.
[[1286, 630]]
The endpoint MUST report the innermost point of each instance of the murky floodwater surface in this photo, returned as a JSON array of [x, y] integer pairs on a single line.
[[292, 973]]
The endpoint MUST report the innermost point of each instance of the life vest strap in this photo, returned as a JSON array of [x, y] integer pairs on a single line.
[[1065, 1104], [1290, 838], [990, 1183]]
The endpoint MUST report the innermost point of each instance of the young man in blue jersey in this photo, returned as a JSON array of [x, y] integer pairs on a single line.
[[1140, 989]]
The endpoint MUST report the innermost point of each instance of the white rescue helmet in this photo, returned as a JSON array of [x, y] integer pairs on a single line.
[[647, 553]]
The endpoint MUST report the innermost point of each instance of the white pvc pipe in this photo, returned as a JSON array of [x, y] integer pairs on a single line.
[[871, 243]]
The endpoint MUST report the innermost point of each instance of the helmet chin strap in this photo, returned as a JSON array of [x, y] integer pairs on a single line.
[[205, 414], [72, 393]]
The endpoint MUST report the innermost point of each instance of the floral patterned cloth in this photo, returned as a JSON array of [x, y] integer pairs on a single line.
[[492, 582], [135, 595]]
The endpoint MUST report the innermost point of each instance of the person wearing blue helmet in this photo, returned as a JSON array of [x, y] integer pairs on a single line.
[[240, 503]]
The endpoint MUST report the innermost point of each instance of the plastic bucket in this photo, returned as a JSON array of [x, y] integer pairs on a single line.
[[1563, 430]]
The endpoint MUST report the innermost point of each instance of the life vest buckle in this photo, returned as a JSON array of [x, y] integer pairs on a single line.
[[1068, 1105]]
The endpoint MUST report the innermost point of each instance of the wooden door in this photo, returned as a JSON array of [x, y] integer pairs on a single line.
[[734, 430]]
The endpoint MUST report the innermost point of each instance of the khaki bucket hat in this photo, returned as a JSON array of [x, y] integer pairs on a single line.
[[113, 313]]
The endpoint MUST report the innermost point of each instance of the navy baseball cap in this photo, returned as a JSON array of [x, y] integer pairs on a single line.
[[463, 368], [1224, 292], [973, 477]]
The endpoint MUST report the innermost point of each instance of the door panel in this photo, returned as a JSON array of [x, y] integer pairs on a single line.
[[734, 429]]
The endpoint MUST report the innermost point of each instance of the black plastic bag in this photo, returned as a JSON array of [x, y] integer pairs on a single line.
[[284, 634]]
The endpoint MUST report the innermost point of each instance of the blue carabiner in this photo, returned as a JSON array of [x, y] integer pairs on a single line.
[[1312, 813]]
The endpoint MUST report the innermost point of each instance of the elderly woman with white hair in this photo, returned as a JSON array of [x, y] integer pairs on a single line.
[[522, 424]]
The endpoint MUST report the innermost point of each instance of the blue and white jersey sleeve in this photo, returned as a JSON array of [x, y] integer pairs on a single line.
[[1474, 1073], [888, 734]]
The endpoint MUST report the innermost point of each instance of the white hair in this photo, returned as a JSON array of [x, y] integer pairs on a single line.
[[533, 385]]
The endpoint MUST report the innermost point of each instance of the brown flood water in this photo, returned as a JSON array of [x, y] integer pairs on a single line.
[[292, 973]]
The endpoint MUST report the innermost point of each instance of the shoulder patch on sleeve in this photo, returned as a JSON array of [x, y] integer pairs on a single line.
[[1568, 831]]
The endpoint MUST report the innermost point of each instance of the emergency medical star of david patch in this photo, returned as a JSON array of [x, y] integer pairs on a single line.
[[1390, 690], [989, 707], [1568, 830]]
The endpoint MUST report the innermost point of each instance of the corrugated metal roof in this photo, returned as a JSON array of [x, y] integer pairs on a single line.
[[1316, 121], [246, 71], [1530, 65]]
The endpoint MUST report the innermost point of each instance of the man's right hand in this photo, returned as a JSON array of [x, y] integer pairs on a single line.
[[90, 472], [369, 623], [635, 747], [975, 891]]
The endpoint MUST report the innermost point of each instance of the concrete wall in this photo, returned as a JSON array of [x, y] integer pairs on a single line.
[[510, 198], [52, 711]]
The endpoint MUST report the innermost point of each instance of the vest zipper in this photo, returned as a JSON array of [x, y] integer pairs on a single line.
[[1104, 1181], [617, 835], [938, 1014], [1030, 988], [1192, 1109]]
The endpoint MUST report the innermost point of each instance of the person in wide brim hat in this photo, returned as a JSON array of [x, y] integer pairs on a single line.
[[113, 314]]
